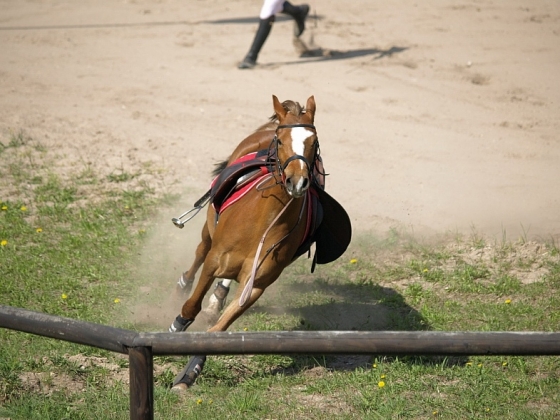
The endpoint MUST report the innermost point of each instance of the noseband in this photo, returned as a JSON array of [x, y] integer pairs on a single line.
[[282, 166]]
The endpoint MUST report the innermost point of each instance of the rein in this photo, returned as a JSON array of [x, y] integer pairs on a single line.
[[280, 168], [249, 286]]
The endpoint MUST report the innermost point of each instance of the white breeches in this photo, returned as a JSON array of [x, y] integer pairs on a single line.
[[271, 7]]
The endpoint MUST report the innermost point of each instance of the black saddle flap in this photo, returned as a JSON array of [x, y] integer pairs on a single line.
[[335, 232], [231, 177]]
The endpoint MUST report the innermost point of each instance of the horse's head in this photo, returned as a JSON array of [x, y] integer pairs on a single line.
[[296, 143]]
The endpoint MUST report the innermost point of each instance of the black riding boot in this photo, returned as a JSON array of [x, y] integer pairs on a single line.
[[299, 13], [250, 60]]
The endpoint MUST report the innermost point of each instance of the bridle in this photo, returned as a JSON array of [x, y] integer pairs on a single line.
[[281, 166]]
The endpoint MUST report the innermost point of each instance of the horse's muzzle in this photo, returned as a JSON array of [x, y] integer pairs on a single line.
[[297, 186]]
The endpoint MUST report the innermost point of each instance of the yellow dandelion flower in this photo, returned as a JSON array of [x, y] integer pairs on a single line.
[[245, 329], [4, 208], [23, 208], [375, 366], [504, 364], [381, 384], [353, 261], [199, 401], [117, 300], [383, 376], [4, 242], [468, 363], [479, 365], [38, 230], [507, 301], [425, 270], [434, 413], [64, 296]]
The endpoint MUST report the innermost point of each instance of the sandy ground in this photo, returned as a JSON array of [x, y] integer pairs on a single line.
[[434, 115]]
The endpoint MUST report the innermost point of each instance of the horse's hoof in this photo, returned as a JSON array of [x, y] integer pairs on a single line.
[[179, 388]]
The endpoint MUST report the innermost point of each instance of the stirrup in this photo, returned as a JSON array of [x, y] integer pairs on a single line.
[[199, 205]]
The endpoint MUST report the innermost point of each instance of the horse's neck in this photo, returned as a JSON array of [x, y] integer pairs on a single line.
[[257, 141], [271, 125]]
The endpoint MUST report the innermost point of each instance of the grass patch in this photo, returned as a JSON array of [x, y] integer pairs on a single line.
[[68, 239]]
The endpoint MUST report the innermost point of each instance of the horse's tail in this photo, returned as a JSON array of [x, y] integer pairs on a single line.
[[219, 167]]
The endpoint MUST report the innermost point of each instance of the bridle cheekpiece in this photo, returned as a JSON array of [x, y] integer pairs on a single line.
[[280, 167]]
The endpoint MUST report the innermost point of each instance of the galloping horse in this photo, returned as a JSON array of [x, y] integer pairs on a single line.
[[278, 209]]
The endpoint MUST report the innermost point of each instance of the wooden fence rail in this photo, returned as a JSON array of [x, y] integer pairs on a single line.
[[141, 347]]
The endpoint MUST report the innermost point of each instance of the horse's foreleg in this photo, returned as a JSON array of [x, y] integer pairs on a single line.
[[186, 280], [188, 375]]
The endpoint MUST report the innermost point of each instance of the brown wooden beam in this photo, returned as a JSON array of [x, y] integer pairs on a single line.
[[141, 371]]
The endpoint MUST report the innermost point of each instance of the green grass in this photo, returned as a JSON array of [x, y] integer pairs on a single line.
[[70, 244]]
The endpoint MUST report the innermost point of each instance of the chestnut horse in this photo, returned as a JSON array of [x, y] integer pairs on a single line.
[[254, 239]]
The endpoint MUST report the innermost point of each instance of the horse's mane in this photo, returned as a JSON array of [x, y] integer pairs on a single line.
[[292, 107]]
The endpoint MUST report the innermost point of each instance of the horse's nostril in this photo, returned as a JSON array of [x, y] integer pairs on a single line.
[[305, 183]]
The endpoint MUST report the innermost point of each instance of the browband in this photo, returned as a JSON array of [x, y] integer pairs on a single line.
[[295, 125]]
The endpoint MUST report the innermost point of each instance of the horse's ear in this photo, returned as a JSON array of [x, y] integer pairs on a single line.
[[278, 108], [310, 107]]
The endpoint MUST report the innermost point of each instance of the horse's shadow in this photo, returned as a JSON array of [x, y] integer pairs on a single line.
[[353, 307]]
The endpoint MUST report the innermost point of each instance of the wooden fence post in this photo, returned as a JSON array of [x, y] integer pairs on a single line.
[[141, 371]]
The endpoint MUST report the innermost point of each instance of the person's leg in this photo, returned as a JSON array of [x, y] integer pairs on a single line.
[[299, 13], [266, 20], [271, 8], [250, 60]]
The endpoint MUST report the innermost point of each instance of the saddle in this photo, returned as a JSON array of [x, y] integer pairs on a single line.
[[328, 224], [237, 176]]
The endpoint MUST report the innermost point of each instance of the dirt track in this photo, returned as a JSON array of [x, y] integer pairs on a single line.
[[436, 116]]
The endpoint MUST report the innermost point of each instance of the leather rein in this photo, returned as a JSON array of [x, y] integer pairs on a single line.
[[246, 293]]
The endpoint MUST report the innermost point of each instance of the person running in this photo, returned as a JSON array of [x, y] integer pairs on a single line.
[[266, 18]]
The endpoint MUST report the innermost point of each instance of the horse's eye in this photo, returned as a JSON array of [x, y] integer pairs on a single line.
[[279, 142]]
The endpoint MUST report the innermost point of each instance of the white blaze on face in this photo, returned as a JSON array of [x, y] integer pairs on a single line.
[[299, 135]]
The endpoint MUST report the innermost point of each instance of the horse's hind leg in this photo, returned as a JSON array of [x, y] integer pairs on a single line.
[[217, 299], [184, 285], [234, 311]]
